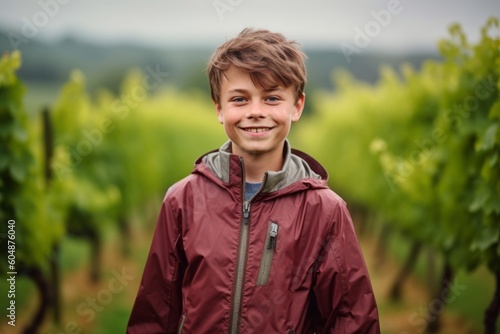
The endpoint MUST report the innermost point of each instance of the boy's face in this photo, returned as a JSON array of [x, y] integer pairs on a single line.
[[256, 120]]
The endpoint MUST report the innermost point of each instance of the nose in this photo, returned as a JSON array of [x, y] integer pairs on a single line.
[[256, 110]]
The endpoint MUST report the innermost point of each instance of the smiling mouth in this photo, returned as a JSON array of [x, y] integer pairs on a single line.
[[256, 130]]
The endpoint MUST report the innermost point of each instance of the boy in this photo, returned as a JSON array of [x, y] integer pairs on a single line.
[[254, 241]]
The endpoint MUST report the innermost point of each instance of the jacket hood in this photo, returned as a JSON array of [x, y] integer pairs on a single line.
[[297, 166]]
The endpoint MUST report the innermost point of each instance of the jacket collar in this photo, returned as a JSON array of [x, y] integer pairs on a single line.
[[297, 166]]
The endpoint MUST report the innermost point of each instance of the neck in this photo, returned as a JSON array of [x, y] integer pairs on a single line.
[[257, 165], [255, 169]]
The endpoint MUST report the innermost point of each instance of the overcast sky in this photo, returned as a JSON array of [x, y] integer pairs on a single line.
[[412, 24]]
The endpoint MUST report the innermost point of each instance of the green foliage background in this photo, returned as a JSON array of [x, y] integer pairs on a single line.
[[421, 150], [418, 150]]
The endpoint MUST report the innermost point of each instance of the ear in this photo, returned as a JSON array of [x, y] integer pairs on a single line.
[[220, 114], [298, 107]]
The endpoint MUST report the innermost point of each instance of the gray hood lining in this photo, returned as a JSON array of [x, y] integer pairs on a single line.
[[294, 168]]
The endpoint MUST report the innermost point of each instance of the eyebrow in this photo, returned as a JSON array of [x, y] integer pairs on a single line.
[[245, 91], [238, 90]]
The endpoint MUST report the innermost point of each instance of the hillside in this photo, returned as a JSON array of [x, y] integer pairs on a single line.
[[47, 65]]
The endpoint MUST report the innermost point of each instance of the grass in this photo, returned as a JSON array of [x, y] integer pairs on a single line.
[[477, 295], [74, 254], [115, 320]]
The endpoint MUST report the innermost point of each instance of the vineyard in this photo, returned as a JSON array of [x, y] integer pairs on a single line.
[[417, 157], [419, 152]]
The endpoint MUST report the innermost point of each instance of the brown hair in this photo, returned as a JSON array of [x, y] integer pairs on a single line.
[[268, 57]]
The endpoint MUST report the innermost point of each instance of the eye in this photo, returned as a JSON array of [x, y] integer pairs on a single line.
[[273, 99], [238, 99]]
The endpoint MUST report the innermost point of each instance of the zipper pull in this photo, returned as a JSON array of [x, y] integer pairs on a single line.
[[246, 210], [273, 235]]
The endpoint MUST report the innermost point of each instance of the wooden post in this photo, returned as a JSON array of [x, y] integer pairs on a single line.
[[48, 144]]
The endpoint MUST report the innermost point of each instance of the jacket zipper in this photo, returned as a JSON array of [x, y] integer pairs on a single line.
[[183, 318], [241, 260], [267, 254], [240, 270]]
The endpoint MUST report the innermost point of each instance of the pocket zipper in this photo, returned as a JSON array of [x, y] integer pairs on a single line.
[[273, 235], [267, 254]]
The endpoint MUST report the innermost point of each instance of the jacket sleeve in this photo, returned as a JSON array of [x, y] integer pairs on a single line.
[[342, 289], [158, 305]]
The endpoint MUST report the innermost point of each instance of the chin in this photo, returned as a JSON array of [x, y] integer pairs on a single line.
[[259, 150]]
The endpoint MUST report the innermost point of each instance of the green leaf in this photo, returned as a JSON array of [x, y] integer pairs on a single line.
[[4, 160], [19, 133], [20, 165], [481, 197], [18, 172], [488, 140], [493, 160], [487, 238], [495, 110]]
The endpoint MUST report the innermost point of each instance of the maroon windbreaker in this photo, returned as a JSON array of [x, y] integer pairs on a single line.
[[287, 261]]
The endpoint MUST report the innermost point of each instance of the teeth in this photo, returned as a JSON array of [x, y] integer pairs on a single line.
[[256, 130]]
